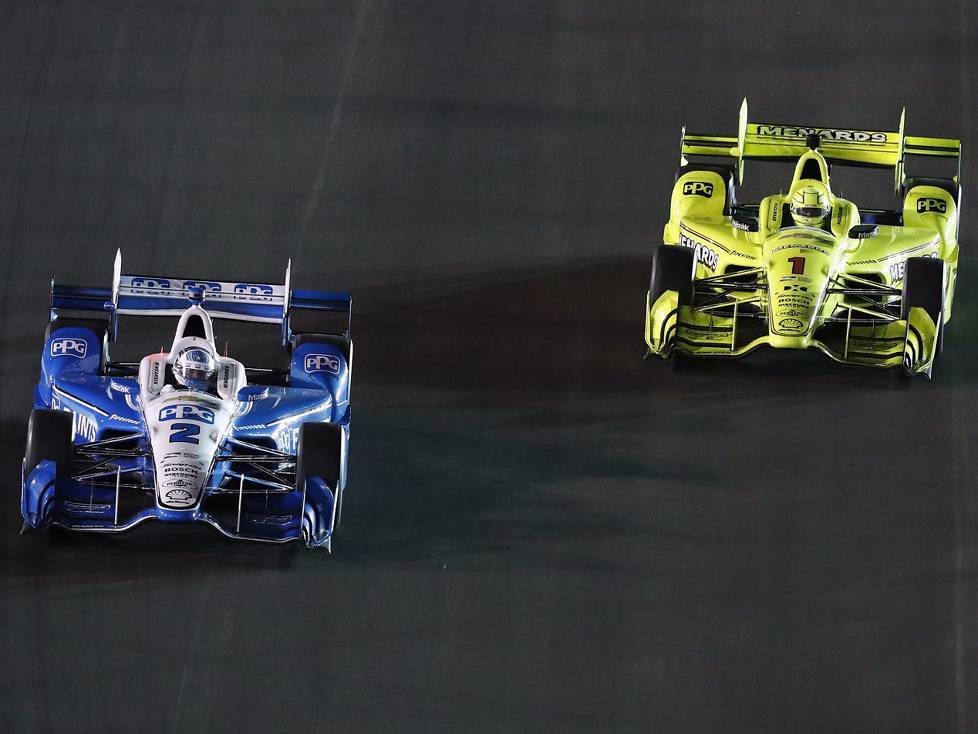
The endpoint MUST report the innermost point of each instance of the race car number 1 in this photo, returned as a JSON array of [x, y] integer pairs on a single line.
[[797, 265]]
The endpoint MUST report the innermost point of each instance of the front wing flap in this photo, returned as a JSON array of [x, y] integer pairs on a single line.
[[117, 505], [886, 344]]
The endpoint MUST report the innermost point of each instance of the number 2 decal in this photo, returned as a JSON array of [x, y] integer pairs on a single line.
[[797, 265], [184, 433]]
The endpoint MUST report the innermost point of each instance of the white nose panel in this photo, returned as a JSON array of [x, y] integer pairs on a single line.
[[186, 429]]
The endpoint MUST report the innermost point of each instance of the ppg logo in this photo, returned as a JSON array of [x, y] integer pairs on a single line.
[[204, 285], [253, 289], [150, 283], [187, 413], [68, 347], [698, 188], [928, 204], [323, 363]]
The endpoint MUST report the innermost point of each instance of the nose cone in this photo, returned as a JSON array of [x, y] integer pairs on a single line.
[[793, 306], [798, 264], [185, 431]]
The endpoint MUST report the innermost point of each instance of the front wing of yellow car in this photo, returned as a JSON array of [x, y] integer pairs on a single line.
[[728, 319]]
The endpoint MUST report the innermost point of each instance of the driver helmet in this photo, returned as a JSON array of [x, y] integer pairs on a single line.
[[195, 367], [810, 204]]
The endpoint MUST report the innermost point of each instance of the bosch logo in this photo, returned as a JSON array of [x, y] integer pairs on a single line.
[[204, 285], [698, 188], [68, 347], [140, 282], [322, 363], [253, 289], [928, 204], [187, 413]]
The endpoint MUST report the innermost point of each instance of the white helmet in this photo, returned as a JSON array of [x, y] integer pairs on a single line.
[[195, 366], [810, 204]]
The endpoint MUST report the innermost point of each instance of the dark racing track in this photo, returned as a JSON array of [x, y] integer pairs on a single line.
[[542, 532]]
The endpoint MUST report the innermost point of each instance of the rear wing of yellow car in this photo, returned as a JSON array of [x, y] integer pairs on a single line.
[[872, 148]]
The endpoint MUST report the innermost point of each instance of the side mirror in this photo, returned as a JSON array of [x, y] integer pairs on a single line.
[[864, 231]]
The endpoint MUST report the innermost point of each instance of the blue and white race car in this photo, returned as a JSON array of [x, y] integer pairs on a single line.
[[188, 435]]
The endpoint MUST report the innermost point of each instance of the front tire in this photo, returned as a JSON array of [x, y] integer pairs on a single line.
[[48, 437], [923, 287], [673, 267], [321, 454]]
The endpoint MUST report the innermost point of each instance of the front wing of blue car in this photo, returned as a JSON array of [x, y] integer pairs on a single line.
[[114, 504]]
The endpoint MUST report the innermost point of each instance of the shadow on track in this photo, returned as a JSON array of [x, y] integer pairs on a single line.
[[466, 428]]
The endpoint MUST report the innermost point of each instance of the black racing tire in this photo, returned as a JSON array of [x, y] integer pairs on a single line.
[[320, 454], [48, 437], [673, 267], [923, 287]]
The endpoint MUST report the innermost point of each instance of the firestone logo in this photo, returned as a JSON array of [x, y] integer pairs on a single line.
[[322, 363], [68, 347]]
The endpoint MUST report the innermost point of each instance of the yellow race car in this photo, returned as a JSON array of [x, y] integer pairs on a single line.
[[806, 268]]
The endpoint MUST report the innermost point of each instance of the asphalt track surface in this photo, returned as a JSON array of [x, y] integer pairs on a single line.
[[542, 532]]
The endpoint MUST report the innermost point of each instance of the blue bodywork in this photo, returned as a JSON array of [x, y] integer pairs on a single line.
[[111, 483]]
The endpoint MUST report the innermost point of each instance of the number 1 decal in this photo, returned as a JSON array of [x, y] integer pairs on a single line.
[[797, 265]]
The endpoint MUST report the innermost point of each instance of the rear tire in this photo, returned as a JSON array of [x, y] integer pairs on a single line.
[[48, 437], [320, 454]]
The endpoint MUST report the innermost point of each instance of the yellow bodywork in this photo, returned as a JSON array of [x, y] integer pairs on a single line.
[[834, 289]]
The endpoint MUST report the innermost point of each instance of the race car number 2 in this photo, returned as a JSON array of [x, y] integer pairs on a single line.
[[184, 433]]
